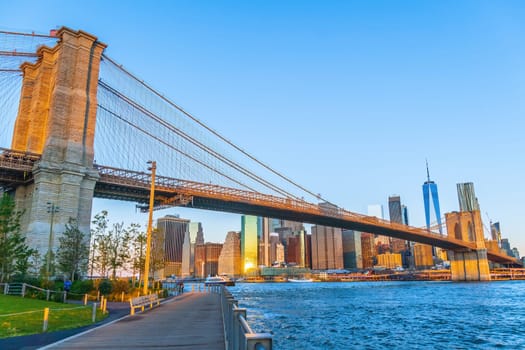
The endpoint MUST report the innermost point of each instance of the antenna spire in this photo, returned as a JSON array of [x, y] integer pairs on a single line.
[[428, 173]]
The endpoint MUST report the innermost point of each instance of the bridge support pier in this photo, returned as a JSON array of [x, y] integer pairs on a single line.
[[469, 265], [56, 118]]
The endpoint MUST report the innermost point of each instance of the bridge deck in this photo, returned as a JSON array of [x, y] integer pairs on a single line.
[[190, 321]]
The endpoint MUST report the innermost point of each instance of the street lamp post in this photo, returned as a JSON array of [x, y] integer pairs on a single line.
[[52, 209], [153, 169]]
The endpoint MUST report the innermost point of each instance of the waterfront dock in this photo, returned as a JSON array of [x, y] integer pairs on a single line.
[[189, 321]]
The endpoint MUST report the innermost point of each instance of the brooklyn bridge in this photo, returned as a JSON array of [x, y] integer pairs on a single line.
[[83, 127]]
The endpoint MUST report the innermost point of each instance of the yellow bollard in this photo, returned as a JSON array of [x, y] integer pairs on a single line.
[[105, 305], [46, 317], [122, 298], [102, 303], [85, 299]]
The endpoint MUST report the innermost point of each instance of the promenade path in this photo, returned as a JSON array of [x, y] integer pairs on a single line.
[[190, 321]]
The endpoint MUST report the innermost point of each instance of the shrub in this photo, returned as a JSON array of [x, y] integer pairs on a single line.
[[105, 287], [82, 287]]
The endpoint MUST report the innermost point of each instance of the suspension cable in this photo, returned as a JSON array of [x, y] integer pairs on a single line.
[[196, 120], [173, 147], [196, 142]]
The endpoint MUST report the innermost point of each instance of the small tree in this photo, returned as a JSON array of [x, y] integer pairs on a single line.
[[14, 252], [99, 254], [138, 250], [72, 254], [119, 242]]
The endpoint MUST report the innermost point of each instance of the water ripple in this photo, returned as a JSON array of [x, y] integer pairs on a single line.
[[387, 315]]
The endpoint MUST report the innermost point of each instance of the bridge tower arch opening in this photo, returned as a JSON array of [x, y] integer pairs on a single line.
[[457, 231], [56, 118], [468, 264]]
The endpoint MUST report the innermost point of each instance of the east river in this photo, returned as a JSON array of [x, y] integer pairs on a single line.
[[387, 315]]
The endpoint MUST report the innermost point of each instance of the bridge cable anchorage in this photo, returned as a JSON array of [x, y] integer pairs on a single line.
[[224, 139], [175, 149], [197, 143]]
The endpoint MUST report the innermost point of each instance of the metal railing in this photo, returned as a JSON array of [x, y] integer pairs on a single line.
[[237, 331]]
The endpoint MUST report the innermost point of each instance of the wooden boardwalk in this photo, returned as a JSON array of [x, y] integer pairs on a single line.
[[190, 321]]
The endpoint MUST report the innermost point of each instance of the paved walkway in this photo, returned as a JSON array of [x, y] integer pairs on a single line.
[[190, 321]]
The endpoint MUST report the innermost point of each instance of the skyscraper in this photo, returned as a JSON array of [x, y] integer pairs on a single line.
[[230, 257], [467, 197], [264, 241], [431, 198], [380, 241], [195, 236], [352, 257], [327, 248], [395, 210], [249, 242], [207, 259], [173, 229]]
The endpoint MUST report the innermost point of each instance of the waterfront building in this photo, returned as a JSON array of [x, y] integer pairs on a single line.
[[195, 236], [207, 259], [367, 250], [352, 257], [249, 243], [423, 256], [389, 260], [230, 257], [295, 250], [173, 231], [467, 197], [327, 248], [516, 253]]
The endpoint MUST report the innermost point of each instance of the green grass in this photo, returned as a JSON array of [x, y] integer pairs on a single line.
[[31, 314]]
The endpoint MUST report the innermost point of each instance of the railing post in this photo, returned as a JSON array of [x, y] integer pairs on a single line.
[[6, 288], [46, 317], [258, 341], [23, 290], [47, 294], [94, 313], [65, 296], [237, 327]]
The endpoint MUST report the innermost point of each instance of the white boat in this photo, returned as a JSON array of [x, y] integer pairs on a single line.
[[218, 280], [300, 280]]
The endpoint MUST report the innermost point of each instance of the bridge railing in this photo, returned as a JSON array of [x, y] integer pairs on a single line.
[[17, 160], [237, 331], [192, 188]]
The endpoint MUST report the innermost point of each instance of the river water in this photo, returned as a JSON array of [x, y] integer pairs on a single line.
[[387, 315]]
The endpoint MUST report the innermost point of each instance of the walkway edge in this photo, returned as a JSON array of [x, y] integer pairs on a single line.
[[49, 346]]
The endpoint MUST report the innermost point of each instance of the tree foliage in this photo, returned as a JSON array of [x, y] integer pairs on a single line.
[[14, 252], [112, 248], [72, 254]]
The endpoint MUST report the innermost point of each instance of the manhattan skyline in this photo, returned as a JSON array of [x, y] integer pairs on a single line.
[[348, 99]]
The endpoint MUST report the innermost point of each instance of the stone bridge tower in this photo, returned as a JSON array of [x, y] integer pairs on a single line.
[[468, 265], [56, 118]]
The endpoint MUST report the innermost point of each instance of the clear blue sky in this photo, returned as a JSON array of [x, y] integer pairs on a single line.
[[346, 97]]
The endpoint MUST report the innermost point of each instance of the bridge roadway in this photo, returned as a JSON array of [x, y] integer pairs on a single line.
[[190, 321], [121, 184]]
